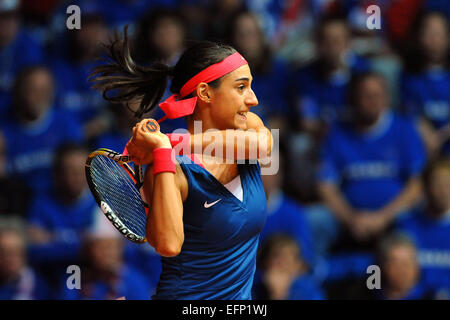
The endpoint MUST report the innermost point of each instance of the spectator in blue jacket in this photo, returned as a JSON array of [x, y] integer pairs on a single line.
[[71, 68], [319, 88], [283, 273], [426, 82], [17, 50], [371, 166], [400, 272], [430, 227], [285, 215], [35, 129], [18, 281], [104, 275], [59, 217]]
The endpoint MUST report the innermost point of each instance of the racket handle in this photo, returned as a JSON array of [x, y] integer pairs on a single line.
[[151, 125]]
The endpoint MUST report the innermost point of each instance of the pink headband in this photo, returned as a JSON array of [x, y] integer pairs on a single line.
[[174, 108]]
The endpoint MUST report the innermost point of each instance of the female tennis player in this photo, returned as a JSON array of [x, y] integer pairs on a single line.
[[205, 217]]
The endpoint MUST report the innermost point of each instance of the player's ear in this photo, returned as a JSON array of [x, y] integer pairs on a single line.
[[204, 92]]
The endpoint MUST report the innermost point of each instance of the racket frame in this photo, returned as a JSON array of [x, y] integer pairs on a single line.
[[136, 176]]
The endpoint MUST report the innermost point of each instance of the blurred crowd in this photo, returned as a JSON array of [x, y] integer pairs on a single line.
[[364, 119]]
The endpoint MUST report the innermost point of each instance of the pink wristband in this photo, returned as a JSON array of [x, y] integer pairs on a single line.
[[162, 161]]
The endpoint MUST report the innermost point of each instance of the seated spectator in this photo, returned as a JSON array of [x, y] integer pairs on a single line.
[[400, 271], [269, 74], [319, 88], [17, 50], [71, 69], [58, 217], [426, 82], [318, 99], [104, 276], [430, 227], [161, 37], [371, 166], [283, 272], [285, 215], [17, 280], [14, 195], [35, 129]]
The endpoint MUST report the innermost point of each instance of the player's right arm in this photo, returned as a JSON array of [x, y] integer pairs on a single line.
[[164, 192]]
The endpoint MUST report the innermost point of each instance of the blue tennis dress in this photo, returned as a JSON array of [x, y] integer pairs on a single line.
[[218, 256]]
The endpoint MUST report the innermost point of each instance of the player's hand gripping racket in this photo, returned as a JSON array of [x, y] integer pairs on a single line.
[[116, 188]]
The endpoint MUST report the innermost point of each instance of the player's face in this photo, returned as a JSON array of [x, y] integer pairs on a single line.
[[400, 267], [232, 100]]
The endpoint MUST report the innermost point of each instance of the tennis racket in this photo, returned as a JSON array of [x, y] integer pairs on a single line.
[[116, 188]]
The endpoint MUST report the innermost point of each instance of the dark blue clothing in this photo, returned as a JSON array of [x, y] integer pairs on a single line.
[[432, 239], [74, 92], [305, 287], [286, 216], [66, 222], [324, 98], [218, 256], [372, 168], [30, 148], [270, 89], [21, 52], [28, 286], [131, 285], [112, 140], [427, 95]]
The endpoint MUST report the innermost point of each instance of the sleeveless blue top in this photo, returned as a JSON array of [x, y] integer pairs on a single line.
[[218, 256]]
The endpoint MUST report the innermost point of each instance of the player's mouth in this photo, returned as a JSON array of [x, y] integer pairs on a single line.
[[242, 115]]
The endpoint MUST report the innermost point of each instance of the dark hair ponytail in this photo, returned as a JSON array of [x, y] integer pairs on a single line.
[[127, 80], [130, 81]]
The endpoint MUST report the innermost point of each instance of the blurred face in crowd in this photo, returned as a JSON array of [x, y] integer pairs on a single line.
[[105, 254], [12, 254], [434, 38], [70, 177], [284, 257], [228, 5], [400, 268], [333, 42], [90, 37], [371, 100], [248, 37], [35, 94], [167, 36], [438, 190], [9, 26]]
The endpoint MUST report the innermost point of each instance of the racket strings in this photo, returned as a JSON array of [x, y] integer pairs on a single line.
[[119, 192]]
